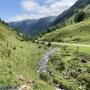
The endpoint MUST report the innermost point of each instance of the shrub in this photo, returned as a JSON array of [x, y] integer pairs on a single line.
[[77, 39], [79, 16], [88, 86], [85, 77], [60, 66], [45, 76], [84, 60], [49, 44], [74, 74], [14, 48], [57, 61], [60, 40], [88, 69]]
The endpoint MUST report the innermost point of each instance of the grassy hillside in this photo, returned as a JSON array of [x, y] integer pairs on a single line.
[[68, 16], [85, 10], [18, 60], [76, 33], [70, 68]]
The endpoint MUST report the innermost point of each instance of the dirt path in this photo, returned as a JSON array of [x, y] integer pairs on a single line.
[[70, 44]]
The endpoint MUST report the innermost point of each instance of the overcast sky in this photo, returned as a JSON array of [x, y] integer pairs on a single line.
[[17, 10]]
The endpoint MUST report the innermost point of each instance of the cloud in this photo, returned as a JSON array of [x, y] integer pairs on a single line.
[[22, 17], [42, 8]]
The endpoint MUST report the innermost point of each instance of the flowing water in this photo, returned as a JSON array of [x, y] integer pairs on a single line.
[[42, 66]]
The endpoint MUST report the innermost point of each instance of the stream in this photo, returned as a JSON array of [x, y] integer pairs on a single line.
[[42, 65]]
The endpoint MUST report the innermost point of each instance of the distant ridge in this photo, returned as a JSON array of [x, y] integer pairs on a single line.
[[33, 26]]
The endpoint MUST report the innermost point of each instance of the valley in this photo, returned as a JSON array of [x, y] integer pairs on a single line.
[[18, 59], [49, 53]]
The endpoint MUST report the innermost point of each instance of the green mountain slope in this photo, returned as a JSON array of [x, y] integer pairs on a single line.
[[34, 26], [77, 33], [72, 25], [67, 17], [18, 60]]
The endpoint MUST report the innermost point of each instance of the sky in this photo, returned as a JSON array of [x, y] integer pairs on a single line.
[[17, 10]]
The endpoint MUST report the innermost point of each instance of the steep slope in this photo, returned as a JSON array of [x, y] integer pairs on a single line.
[[18, 60], [72, 25], [33, 27], [23, 26], [69, 15], [42, 24], [77, 33]]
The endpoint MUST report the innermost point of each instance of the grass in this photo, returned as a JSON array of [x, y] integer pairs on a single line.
[[40, 85], [70, 68], [76, 33], [81, 49], [18, 60]]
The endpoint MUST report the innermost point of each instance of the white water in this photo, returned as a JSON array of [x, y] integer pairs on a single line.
[[42, 66], [58, 88]]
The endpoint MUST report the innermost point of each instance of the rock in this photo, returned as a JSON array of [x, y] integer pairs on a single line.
[[84, 60], [42, 66], [26, 87]]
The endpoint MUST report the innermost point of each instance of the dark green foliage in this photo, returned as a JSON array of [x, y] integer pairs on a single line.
[[84, 60], [14, 48], [88, 69], [45, 76], [88, 86], [49, 44], [80, 16], [64, 17], [0, 20], [74, 74], [77, 39]]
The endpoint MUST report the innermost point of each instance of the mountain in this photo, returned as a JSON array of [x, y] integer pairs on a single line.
[[72, 25], [77, 33], [33, 26], [72, 34], [69, 15], [42, 24], [18, 61], [23, 26]]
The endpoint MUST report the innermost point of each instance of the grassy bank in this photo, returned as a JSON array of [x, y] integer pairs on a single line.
[[70, 68], [76, 33], [18, 60]]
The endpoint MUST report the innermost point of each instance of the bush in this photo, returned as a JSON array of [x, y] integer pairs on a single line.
[[60, 66], [14, 48], [79, 16], [77, 39], [88, 86], [85, 77], [88, 69], [58, 63], [49, 44], [60, 40], [45, 76], [74, 74]]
